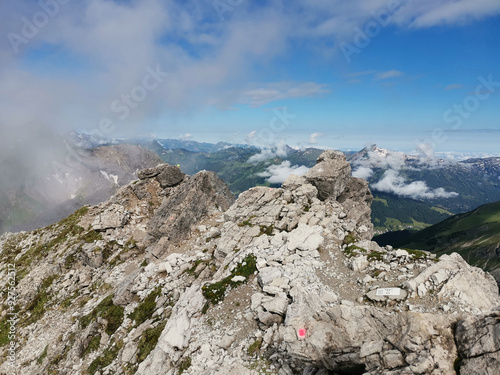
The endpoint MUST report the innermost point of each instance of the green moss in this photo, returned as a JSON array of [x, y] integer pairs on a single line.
[[38, 304], [146, 308], [69, 261], [184, 365], [375, 255], [417, 254], [254, 347], [353, 250], [68, 301], [106, 358], [54, 362], [191, 271], [267, 230], [130, 244], [350, 239], [91, 236], [93, 345], [65, 229], [107, 310], [214, 293], [144, 263], [247, 223], [376, 273], [148, 341], [42, 356], [4, 332]]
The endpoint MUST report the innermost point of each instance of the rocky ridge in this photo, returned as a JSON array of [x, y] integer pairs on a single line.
[[173, 276]]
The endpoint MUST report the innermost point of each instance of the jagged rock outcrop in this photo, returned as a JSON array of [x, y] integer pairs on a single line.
[[478, 343], [182, 209], [282, 281]]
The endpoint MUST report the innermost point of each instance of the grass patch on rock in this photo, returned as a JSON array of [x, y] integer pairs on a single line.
[[184, 365], [38, 305], [146, 308], [148, 341], [107, 310], [106, 358], [254, 347], [93, 345], [215, 293]]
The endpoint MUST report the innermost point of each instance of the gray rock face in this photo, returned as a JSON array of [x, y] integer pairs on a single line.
[[331, 175], [187, 204], [478, 342], [166, 175], [368, 340], [115, 216]]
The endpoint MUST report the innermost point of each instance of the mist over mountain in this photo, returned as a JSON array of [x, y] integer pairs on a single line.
[[39, 188]]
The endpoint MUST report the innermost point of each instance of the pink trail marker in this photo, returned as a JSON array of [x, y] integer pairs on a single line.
[[302, 333]]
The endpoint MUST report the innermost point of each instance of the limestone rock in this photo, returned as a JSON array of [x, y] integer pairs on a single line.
[[478, 342], [115, 216], [305, 238], [192, 201], [167, 175], [330, 175]]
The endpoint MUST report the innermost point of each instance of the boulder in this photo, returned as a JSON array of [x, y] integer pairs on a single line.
[[330, 175]]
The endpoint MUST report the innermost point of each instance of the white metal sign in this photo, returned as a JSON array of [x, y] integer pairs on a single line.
[[388, 292]]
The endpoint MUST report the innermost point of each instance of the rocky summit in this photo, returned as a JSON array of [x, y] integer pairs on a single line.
[[172, 275]]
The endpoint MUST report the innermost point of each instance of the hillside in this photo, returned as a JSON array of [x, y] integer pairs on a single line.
[[393, 213], [174, 276], [475, 235]]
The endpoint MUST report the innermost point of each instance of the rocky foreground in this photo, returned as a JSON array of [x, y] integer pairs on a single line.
[[173, 276]]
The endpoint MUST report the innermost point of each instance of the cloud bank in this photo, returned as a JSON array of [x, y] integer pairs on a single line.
[[392, 182], [277, 174], [278, 150]]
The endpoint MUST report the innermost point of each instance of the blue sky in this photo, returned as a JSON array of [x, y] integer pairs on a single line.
[[318, 73]]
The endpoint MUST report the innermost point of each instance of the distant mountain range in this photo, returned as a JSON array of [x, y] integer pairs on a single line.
[[475, 235], [410, 191], [417, 190]]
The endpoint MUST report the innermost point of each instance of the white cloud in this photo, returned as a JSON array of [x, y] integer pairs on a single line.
[[313, 138], [389, 74], [277, 174], [392, 182], [264, 155], [362, 172], [428, 13], [278, 150], [268, 93], [185, 137], [454, 86], [426, 153], [382, 158], [249, 138]]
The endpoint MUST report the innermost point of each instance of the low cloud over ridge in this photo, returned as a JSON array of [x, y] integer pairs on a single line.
[[394, 183], [277, 174]]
